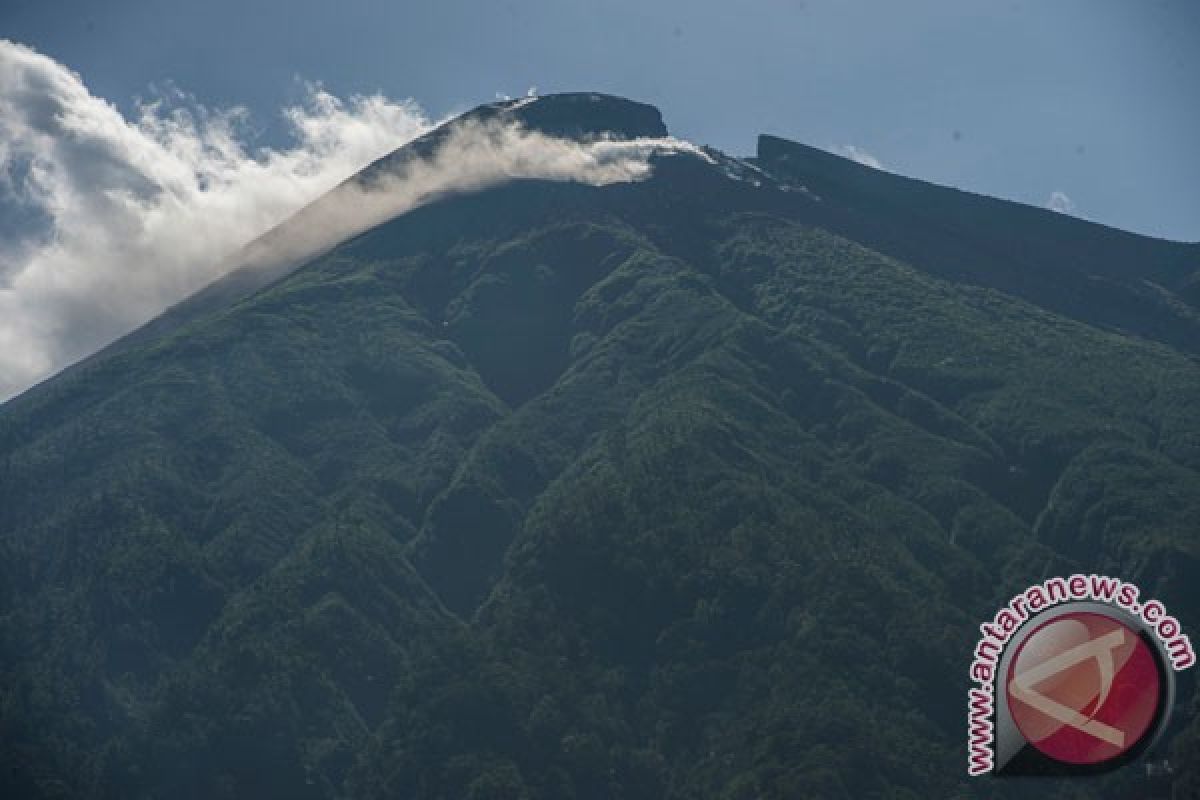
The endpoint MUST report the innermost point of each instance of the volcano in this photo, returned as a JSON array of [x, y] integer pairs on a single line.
[[694, 485]]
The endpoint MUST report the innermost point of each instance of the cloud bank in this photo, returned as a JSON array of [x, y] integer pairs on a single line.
[[107, 221], [124, 217]]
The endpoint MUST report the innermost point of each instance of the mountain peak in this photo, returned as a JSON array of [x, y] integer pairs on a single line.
[[574, 115], [580, 115]]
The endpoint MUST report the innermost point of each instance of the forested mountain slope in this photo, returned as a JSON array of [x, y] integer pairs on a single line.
[[691, 487]]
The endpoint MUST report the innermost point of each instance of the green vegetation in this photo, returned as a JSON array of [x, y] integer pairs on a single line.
[[663, 490]]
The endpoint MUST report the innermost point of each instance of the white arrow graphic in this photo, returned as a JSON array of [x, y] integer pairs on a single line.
[[1101, 649]]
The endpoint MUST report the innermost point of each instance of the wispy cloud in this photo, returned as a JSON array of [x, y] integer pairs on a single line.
[[1060, 202], [859, 155], [110, 220], [128, 216], [472, 156]]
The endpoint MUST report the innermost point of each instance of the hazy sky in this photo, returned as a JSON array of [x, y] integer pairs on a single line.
[[1096, 100]]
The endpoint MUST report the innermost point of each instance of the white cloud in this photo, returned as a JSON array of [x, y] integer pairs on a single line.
[[1060, 202], [126, 217], [859, 155], [139, 213]]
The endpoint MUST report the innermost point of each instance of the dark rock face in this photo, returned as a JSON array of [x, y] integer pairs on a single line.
[[583, 114]]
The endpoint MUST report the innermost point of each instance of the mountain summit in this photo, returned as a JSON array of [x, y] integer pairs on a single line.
[[577, 115], [692, 482]]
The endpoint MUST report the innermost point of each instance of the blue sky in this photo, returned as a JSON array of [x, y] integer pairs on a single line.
[[1093, 99]]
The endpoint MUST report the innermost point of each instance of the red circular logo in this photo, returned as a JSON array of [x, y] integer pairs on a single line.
[[1083, 688]]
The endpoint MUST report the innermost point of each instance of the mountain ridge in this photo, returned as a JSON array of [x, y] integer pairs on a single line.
[[607, 115], [258, 263]]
